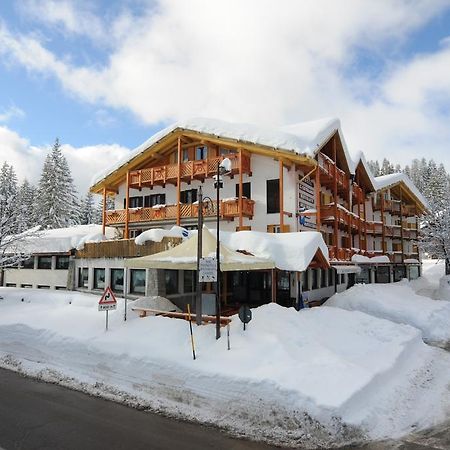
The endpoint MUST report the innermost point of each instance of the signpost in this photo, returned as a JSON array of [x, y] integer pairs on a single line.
[[107, 302], [245, 314], [208, 270]]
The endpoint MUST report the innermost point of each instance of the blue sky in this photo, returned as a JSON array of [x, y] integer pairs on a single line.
[[106, 75]]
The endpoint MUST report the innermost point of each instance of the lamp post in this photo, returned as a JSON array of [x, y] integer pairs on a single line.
[[222, 168]]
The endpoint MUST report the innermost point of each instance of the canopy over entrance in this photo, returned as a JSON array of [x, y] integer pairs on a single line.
[[184, 257]]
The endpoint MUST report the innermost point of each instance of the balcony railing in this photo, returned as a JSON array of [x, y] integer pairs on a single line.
[[328, 167], [189, 170], [228, 210]]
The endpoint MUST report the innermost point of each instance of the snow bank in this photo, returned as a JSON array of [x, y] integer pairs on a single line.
[[158, 234], [398, 302], [444, 288], [321, 377]]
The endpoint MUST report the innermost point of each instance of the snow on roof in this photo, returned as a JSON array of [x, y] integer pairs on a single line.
[[302, 138], [62, 240], [392, 179], [158, 234], [289, 251]]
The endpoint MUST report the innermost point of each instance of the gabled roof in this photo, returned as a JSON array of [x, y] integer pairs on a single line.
[[400, 178], [303, 139], [359, 158]]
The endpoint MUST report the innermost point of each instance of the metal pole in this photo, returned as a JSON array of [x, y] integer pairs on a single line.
[[228, 335], [125, 281], [107, 320], [218, 253], [198, 298]]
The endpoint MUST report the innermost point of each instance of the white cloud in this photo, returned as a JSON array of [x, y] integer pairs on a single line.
[[11, 112], [263, 61], [84, 162]]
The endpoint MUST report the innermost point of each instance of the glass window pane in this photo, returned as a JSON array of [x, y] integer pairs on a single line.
[[99, 278], [44, 262], [137, 281], [28, 263], [117, 280], [171, 282], [62, 262]]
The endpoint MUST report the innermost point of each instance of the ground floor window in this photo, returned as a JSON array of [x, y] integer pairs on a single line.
[[399, 273], [60, 288], [11, 285], [305, 281], [43, 286], [44, 262], [382, 274], [99, 278], [323, 278], [413, 272], [363, 276], [189, 281], [28, 263], [117, 280], [171, 278], [83, 275], [315, 279], [27, 286], [137, 281], [62, 262]]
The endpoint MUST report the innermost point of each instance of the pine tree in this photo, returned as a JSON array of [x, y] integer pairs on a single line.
[[8, 199], [386, 167], [57, 203], [88, 212], [25, 204], [374, 167]]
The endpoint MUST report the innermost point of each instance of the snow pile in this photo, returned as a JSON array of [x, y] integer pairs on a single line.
[[373, 259], [289, 251], [158, 234], [398, 302], [321, 377], [444, 288]]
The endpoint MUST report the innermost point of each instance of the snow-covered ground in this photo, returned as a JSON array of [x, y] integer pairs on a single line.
[[321, 377], [405, 302]]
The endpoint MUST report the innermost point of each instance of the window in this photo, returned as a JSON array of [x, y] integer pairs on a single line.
[[137, 281], [99, 278], [154, 199], [43, 286], [382, 274], [189, 196], [60, 288], [62, 262], [189, 280], [28, 263], [413, 272], [83, 275], [201, 152], [185, 155], [44, 262], [135, 202], [331, 273], [117, 280], [305, 281], [315, 278], [273, 196], [11, 284], [26, 286], [246, 190], [135, 233], [171, 281], [323, 278]]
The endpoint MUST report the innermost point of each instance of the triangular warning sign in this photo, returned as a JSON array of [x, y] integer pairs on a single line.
[[108, 297]]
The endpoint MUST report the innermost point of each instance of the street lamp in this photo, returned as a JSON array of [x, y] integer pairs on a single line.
[[223, 168]]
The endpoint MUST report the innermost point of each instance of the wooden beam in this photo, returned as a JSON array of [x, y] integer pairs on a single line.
[[317, 191], [127, 207], [104, 212], [241, 216], [401, 227], [281, 186], [179, 183], [383, 229], [365, 220], [335, 198]]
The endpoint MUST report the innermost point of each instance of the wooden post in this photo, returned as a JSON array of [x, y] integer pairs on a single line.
[[127, 207], [383, 230], [241, 175], [365, 220], [317, 189], [335, 198], [401, 226], [280, 162], [104, 212], [179, 183]]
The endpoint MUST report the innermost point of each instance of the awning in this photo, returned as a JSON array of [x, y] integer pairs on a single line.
[[184, 257], [346, 269]]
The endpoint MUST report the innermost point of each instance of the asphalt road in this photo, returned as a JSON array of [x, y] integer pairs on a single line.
[[37, 415]]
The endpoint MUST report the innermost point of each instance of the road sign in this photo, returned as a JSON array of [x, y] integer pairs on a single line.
[[208, 270], [108, 301]]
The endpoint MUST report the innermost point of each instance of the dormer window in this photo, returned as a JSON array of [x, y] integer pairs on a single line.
[[201, 152]]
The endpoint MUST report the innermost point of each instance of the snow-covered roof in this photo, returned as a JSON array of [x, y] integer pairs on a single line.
[[303, 138], [290, 251], [392, 179], [62, 240]]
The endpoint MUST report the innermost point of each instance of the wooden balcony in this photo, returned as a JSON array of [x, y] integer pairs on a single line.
[[340, 254], [189, 170], [229, 209], [329, 172]]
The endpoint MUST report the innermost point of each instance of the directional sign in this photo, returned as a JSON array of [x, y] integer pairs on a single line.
[[208, 270], [108, 300]]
